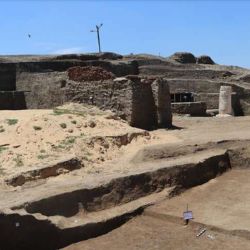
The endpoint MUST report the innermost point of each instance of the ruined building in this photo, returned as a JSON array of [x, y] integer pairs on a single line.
[[142, 97]]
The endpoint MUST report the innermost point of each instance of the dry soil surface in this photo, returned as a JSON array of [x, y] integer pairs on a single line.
[[106, 145], [223, 202], [221, 205], [147, 233]]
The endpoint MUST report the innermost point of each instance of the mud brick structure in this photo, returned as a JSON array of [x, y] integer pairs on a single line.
[[163, 101], [143, 108], [191, 108], [132, 98], [35, 82]]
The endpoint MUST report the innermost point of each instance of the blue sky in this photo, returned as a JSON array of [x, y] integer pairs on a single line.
[[220, 29]]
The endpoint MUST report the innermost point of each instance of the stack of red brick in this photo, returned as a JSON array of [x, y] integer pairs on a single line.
[[88, 73]]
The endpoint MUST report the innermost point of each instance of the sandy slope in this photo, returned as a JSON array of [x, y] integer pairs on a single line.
[[32, 137]]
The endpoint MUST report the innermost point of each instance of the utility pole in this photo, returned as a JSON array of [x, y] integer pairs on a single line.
[[98, 35]]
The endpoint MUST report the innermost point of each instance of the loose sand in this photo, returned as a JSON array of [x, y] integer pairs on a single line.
[[29, 138]]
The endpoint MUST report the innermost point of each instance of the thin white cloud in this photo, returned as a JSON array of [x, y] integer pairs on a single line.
[[68, 50]]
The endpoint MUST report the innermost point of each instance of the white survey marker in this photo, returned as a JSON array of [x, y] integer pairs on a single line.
[[188, 215]]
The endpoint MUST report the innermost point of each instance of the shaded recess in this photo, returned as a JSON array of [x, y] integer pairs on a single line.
[[12, 100]]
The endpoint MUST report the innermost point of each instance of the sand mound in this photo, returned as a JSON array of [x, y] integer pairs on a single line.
[[34, 137]]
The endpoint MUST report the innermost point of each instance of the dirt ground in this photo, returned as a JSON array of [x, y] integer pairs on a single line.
[[108, 149], [32, 137], [149, 233], [222, 203], [209, 129]]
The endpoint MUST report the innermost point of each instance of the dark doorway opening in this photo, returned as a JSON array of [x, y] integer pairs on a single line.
[[182, 97]]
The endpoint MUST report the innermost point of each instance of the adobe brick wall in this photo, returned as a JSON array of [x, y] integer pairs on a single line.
[[191, 108], [7, 76], [143, 111], [131, 98], [12, 100]]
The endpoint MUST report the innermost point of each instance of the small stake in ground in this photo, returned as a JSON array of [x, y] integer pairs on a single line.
[[187, 215]]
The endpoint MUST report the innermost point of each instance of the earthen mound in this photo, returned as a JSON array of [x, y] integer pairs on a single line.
[[245, 78], [205, 60], [89, 73], [90, 56], [83, 57], [183, 57], [109, 56]]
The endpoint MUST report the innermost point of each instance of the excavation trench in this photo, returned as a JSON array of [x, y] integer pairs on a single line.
[[129, 188], [25, 232], [32, 232]]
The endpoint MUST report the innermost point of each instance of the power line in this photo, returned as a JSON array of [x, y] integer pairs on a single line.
[[98, 35]]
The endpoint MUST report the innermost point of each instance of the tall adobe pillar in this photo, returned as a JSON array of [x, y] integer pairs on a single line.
[[144, 113], [225, 100], [164, 104]]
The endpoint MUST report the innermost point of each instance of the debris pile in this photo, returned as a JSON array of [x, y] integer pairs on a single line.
[[183, 57], [205, 60], [88, 73]]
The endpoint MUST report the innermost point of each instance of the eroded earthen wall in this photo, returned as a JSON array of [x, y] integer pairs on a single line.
[[144, 113], [12, 100], [191, 108], [132, 100], [46, 85], [7, 77]]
